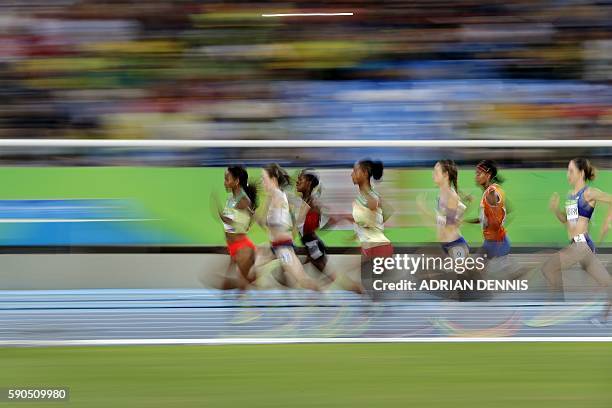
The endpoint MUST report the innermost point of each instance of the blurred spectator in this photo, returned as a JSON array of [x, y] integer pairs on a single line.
[[395, 69]]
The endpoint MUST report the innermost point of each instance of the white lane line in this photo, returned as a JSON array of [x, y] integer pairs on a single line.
[[294, 340]]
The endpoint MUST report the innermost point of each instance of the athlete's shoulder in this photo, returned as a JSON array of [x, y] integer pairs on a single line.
[[495, 187], [314, 203], [454, 196], [374, 194], [244, 202], [592, 193], [494, 195], [282, 193]]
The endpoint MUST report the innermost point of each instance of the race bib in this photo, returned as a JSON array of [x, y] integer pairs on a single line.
[[441, 220], [457, 252], [571, 210], [284, 256], [313, 249], [580, 238], [228, 214]]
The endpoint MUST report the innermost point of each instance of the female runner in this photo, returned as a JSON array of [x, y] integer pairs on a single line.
[[236, 217], [308, 185], [279, 221], [579, 207]]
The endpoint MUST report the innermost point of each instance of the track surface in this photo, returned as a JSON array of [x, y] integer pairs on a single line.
[[48, 316]]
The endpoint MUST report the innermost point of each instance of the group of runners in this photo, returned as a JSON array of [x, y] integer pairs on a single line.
[[286, 213]]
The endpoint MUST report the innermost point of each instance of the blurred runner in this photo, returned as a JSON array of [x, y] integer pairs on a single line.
[[237, 218], [308, 185], [448, 216], [369, 216], [579, 207], [493, 215], [280, 223], [449, 210]]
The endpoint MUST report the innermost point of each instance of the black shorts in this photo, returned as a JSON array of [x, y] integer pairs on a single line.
[[314, 246]]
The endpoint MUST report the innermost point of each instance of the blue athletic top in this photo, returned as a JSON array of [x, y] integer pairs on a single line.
[[584, 209]]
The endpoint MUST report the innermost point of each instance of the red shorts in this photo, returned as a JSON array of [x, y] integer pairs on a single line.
[[381, 251], [234, 247]]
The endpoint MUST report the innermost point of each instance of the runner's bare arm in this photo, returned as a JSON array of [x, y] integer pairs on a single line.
[[595, 194], [553, 205]]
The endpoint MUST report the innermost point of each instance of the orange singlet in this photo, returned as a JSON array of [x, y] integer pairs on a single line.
[[492, 217]]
